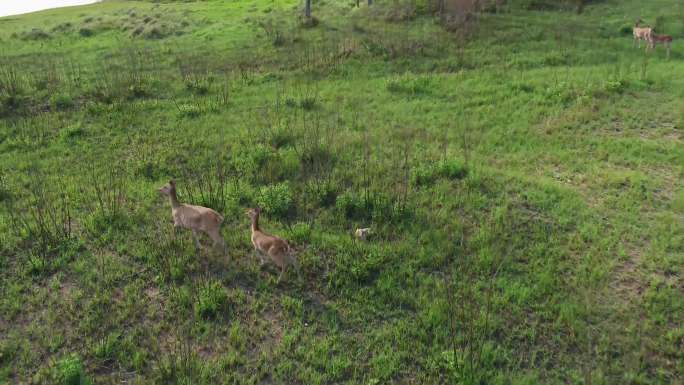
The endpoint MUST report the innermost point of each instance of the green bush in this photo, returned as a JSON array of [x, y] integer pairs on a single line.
[[350, 205], [300, 233], [625, 29], [35, 34], [85, 32], [276, 200], [211, 299], [69, 371], [106, 348], [409, 84], [426, 175], [61, 101]]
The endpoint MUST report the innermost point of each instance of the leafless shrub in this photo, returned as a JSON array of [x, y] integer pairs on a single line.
[[209, 188], [398, 11], [44, 219], [469, 291], [196, 74], [109, 191]]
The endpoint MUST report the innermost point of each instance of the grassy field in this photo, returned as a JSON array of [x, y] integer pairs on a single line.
[[522, 176]]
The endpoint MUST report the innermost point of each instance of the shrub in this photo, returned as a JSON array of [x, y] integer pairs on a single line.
[[625, 29], [210, 299], [401, 11], [615, 86], [452, 169], [63, 27], [69, 371], [309, 22], [105, 349], [35, 34], [276, 200], [409, 84], [449, 169], [85, 32], [61, 102], [308, 103], [187, 110], [349, 204], [300, 233]]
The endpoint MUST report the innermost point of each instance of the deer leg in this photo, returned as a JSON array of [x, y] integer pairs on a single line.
[[282, 273], [195, 236], [218, 241], [259, 254], [297, 268]]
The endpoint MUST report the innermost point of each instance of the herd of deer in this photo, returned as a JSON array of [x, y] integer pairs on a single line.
[[200, 219], [647, 34]]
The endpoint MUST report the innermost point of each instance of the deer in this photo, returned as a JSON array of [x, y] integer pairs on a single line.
[[363, 233], [280, 252], [641, 33], [665, 40], [195, 218]]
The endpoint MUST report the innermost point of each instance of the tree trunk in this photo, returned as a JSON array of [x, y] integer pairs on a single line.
[[370, 2], [307, 9]]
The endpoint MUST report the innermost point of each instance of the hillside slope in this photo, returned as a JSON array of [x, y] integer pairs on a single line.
[[523, 180]]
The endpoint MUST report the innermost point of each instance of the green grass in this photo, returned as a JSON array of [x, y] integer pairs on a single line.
[[523, 187]]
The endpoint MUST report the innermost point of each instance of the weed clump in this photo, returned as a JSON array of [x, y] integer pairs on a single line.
[[62, 27], [300, 233], [35, 34], [625, 29], [308, 22], [409, 84], [70, 371], [211, 299], [277, 200], [86, 32], [61, 102], [401, 11], [450, 169]]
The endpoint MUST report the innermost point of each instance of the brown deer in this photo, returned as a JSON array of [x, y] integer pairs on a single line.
[[642, 33], [665, 40], [195, 218], [272, 246]]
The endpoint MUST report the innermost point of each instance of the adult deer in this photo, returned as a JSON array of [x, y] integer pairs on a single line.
[[195, 218], [641, 33]]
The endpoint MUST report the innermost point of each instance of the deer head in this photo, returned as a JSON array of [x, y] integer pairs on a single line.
[[168, 189]]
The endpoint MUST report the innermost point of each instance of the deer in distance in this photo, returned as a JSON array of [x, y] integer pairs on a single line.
[[665, 40], [641, 33], [280, 252], [195, 218], [362, 233]]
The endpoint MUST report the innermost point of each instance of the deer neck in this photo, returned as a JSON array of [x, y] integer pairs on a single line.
[[173, 198], [255, 224]]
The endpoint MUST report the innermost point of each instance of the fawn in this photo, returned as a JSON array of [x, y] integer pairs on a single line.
[[363, 233], [275, 247], [665, 40]]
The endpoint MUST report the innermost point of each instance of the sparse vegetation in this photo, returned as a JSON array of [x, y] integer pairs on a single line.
[[519, 164]]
